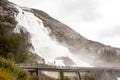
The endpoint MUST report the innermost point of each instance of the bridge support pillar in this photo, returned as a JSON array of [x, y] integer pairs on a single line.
[[79, 76]]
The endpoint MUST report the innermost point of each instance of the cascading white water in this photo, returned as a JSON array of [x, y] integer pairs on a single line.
[[118, 78], [43, 45]]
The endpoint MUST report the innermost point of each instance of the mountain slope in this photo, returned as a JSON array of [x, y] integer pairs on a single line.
[[95, 53]]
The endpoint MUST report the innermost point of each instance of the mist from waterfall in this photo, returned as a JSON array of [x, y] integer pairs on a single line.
[[42, 43]]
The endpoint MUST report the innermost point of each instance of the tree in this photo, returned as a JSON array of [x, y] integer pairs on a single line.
[[62, 77], [12, 45]]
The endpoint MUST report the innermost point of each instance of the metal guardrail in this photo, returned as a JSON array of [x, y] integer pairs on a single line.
[[66, 67], [108, 73], [44, 66]]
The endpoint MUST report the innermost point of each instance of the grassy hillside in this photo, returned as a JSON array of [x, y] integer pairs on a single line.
[[8, 71]]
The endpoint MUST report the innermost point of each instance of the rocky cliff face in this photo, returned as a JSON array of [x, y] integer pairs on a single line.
[[7, 9], [93, 52]]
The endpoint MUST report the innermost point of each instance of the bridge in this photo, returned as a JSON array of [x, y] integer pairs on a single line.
[[101, 73]]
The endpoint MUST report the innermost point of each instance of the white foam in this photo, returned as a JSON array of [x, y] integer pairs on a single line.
[[43, 45], [118, 78]]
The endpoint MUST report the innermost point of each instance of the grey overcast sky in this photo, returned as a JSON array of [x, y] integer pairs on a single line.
[[98, 20]]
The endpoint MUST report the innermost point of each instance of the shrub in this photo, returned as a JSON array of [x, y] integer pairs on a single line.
[[66, 78], [89, 76], [7, 19], [13, 45], [62, 77], [15, 72]]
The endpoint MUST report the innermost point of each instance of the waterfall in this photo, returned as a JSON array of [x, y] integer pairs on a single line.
[[42, 43]]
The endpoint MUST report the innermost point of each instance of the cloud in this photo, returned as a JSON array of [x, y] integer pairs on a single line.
[[97, 20], [111, 32], [77, 10], [64, 10]]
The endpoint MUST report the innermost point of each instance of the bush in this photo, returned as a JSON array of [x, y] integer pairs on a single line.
[[7, 19], [66, 78], [89, 76], [13, 45], [62, 77], [10, 56]]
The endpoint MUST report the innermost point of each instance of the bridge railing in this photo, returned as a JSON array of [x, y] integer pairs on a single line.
[[45, 66], [66, 67]]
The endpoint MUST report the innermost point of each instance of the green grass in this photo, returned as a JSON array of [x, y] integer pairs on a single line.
[[11, 72]]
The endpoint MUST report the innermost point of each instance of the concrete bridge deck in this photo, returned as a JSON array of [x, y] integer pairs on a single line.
[[102, 73]]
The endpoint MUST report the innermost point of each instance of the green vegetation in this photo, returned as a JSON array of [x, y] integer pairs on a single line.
[[13, 46], [66, 78], [8, 71], [62, 77], [6, 74], [7, 19], [89, 76]]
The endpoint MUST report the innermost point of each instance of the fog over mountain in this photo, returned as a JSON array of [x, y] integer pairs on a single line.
[[95, 19], [57, 42], [49, 41]]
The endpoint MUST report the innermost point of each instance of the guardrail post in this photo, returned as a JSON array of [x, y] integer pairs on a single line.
[[37, 72]]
